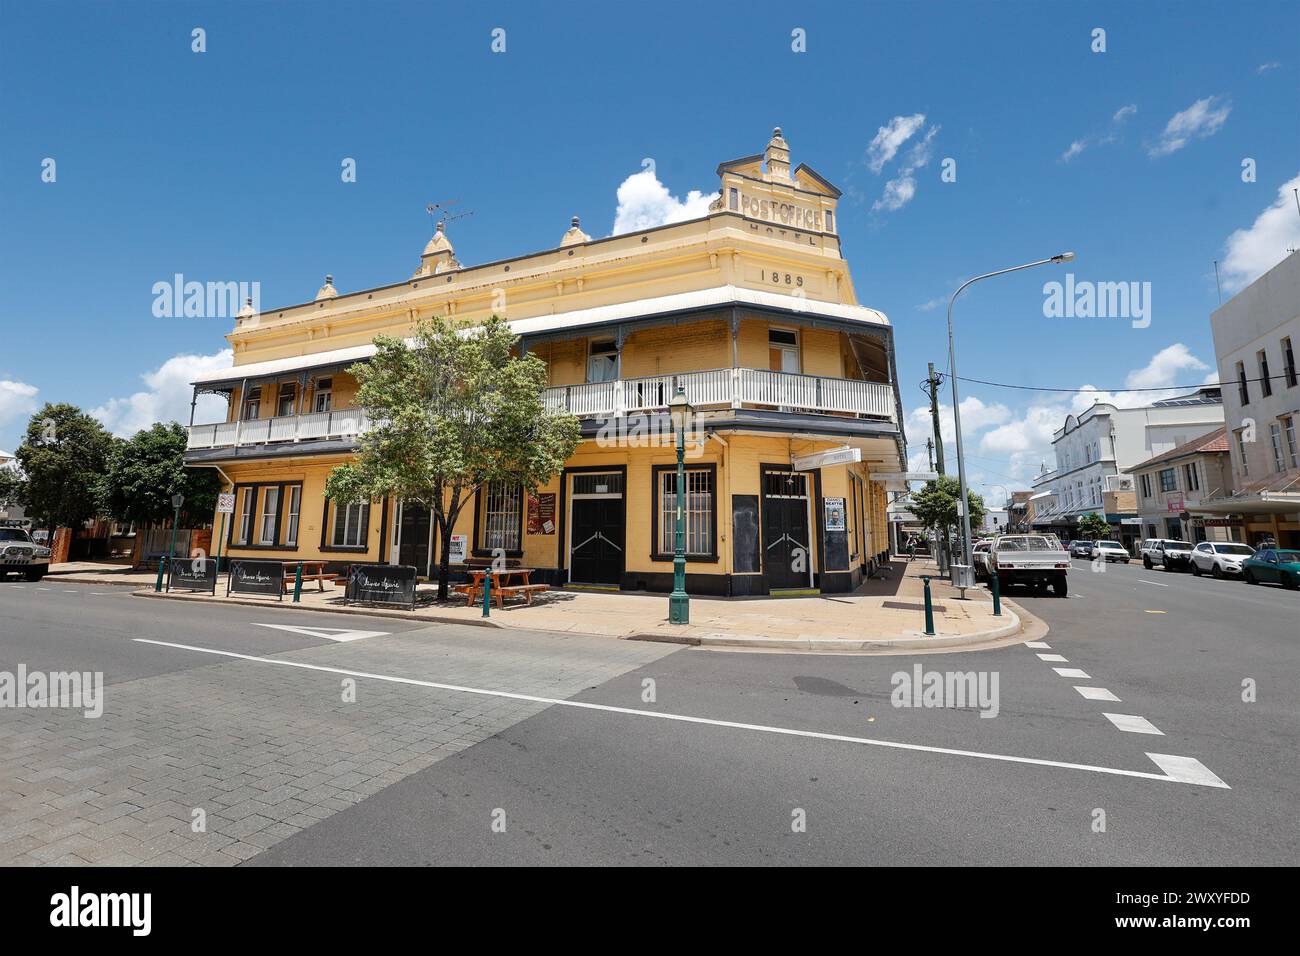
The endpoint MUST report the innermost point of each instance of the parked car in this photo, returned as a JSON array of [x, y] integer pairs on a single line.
[[1033, 559], [1150, 551], [1110, 550], [1273, 565], [1219, 557], [1173, 555], [19, 554], [1080, 549], [980, 558]]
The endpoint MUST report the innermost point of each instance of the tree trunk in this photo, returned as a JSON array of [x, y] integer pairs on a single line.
[[444, 559]]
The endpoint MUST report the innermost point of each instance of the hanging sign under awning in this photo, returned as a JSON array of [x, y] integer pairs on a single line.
[[835, 456], [904, 475]]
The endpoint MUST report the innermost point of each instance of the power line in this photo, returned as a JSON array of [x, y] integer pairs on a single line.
[[1094, 388]]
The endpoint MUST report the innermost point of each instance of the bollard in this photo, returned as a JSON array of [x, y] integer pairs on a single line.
[[297, 584], [997, 595], [929, 609], [162, 563], [487, 593]]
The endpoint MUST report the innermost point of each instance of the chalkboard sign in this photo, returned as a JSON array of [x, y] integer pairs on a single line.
[[192, 574], [256, 577], [381, 584], [744, 533]]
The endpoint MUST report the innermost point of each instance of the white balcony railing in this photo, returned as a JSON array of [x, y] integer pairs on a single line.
[[344, 423], [724, 387], [732, 387]]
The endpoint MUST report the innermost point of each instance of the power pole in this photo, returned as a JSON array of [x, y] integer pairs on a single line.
[[929, 450], [932, 386]]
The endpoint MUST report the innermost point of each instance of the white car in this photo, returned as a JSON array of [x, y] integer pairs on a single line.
[[1219, 557], [1110, 550]]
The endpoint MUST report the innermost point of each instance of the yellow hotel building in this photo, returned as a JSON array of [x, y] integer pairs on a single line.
[[749, 308]]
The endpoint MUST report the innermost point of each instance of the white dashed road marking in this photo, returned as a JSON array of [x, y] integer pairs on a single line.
[[1071, 672], [1043, 645], [1097, 693], [1181, 768], [1156, 583], [1133, 724], [1053, 657]]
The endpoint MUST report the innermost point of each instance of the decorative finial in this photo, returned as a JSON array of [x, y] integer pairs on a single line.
[[776, 131], [575, 222]]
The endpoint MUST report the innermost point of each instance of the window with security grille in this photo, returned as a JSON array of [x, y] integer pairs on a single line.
[[697, 510], [598, 483], [502, 517]]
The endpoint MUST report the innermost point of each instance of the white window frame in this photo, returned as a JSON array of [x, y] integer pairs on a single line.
[[349, 523], [295, 509], [280, 398], [270, 497], [322, 399], [1288, 430], [698, 506], [602, 361], [1241, 453], [252, 401], [1275, 439], [245, 531]]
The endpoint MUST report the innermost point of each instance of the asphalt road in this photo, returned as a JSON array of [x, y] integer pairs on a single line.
[[722, 755]]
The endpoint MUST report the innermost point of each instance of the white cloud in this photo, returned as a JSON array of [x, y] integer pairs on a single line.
[[644, 202], [975, 415], [1077, 147], [1249, 253], [933, 304], [900, 190], [1024, 442], [17, 399], [1110, 136], [889, 139], [1265, 67], [167, 397], [1203, 118]]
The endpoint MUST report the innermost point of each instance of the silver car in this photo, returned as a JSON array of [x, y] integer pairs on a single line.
[[1110, 550], [1219, 557]]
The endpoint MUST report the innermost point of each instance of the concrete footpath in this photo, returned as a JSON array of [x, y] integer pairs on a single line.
[[884, 615]]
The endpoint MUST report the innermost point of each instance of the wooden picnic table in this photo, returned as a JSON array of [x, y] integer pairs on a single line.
[[511, 582], [311, 571]]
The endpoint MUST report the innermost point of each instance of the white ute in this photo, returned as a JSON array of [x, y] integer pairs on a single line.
[[1033, 559], [19, 554]]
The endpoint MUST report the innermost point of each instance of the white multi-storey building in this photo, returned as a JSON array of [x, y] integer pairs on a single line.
[[1096, 447], [1254, 334]]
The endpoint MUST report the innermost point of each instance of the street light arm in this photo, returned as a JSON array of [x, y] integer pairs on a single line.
[[956, 401]]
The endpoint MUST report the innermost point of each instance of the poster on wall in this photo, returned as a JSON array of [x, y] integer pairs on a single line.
[[541, 513], [834, 508], [456, 553]]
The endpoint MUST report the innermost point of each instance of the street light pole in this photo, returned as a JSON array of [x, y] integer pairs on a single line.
[[964, 501]]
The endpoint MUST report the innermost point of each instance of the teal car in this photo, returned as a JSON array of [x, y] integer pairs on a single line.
[[1273, 566]]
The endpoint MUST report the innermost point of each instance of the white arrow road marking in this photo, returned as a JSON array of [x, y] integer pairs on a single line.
[[1071, 672], [1181, 771], [339, 634], [1133, 724], [1053, 657], [1097, 693]]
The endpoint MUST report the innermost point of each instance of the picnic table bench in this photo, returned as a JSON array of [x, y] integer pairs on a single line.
[[501, 585], [311, 571]]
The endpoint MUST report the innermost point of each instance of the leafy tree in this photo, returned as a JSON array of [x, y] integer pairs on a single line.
[[147, 469], [449, 414], [1093, 527], [63, 454], [935, 505], [13, 488]]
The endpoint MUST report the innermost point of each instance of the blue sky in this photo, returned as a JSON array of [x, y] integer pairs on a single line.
[[225, 165]]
